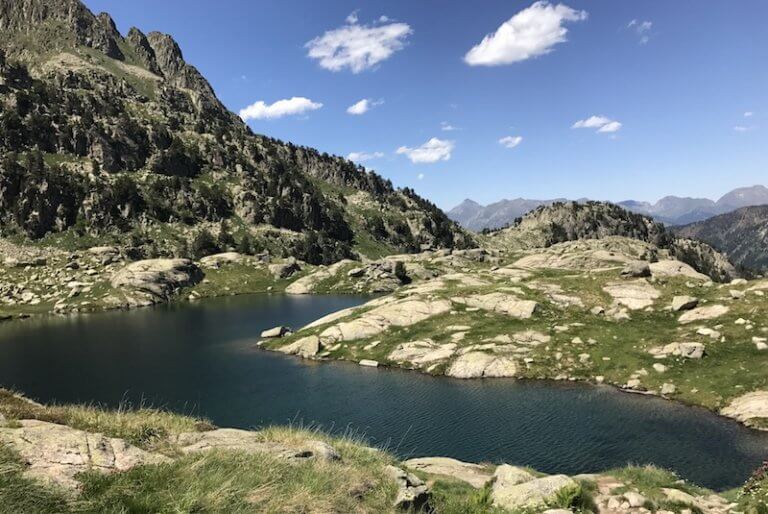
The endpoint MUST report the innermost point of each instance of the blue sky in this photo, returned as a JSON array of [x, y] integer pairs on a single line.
[[687, 82]]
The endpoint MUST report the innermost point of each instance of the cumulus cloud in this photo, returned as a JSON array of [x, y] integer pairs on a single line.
[[358, 47], [641, 28], [364, 156], [447, 127], [433, 150], [601, 123], [288, 107], [363, 106], [532, 32], [510, 141]]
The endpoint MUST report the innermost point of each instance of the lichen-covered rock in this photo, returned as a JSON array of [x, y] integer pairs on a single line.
[[516, 489], [56, 453], [703, 313], [751, 409], [412, 493], [473, 474], [482, 365]]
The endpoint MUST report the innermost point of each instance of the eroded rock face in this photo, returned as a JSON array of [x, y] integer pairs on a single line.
[[473, 474], [158, 278], [480, 364], [412, 492], [751, 408], [422, 352], [56, 453]]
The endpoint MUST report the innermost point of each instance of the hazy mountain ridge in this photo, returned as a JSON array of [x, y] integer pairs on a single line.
[[741, 234], [671, 210], [109, 135]]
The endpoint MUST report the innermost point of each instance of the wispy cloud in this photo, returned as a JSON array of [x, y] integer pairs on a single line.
[[358, 47], [363, 106], [447, 127], [749, 114], [364, 156], [642, 29], [288, 107], [421, 176], [532, 32], [433, 150], [600, 123], [510, 141]]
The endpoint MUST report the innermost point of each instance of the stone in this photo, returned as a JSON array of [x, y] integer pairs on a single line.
[[250, 442], [158, 278], [668, 389], [659, 367], [703, 313], [284, 270], [369, 363], [473, 474], [422, 352], [684, 303], [401, 313], [529, 494], [749, 408], [305, 347], [636, 269], [412, 493], [635, 295], [56, 453], [480, 364], [678, 496], [279, 331], [501, 303], [692, 350], [675, 268], [218, 259], [634, 499]]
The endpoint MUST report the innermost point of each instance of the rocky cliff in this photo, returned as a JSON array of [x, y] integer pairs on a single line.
[[105, 136]]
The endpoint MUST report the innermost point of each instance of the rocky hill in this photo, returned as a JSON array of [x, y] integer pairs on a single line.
[[106, 138], [741, 234], [671, 210], [573, 221]]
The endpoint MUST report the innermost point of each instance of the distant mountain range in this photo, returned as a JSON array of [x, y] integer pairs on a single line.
[[671, 210], [742, 234]]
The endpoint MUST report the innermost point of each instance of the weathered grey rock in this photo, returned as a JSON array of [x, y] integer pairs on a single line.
[[250, 442], [703, 313], [369, 363], [748, 408], [636, 269], [480, 365], [56, 453], [692, 350], [422, 352], [684, 303], [285, 269], [218, 259], [500, 303], [473, 474], [159, 278], [412, 493], [634, 295], [512, 492], [634, 499], [305, 347], [279, 331]]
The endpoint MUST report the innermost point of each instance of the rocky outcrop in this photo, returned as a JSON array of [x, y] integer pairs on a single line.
[[751, 409], [500, 303], [515, 488], [158, 278], [703, 313], [482, 365], [412, 492], [56, 453], [474, 474], [633, 295]]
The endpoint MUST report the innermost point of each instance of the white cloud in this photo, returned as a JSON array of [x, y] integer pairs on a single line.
[[364, 156], [287, 107], [363, 106], [641, 28], [432, 151], [511, 141], [358, 47], [532, 32], [421, 176], [741, 128], [749, 114], [384, 18], [601, 123], [447, 127]]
